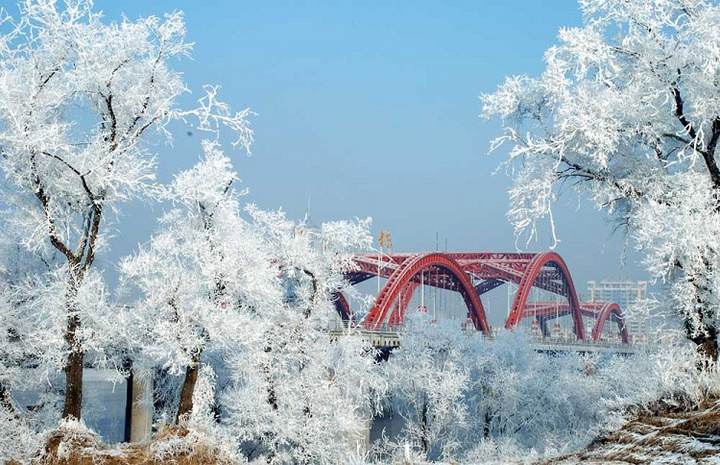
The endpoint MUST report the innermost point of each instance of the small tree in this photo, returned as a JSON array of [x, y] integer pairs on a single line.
[[303, 396], [429, 377], [78, 101], [628, 112], [203, 276]]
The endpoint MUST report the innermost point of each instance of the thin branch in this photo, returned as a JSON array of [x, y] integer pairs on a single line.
[[146, 103], [52, 231], [677, 138], [92, 239], [679, 113], [83, 180], [588, 174]]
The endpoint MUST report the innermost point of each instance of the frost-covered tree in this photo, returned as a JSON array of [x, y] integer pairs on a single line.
[[299, 396], [203, 275], [429, 379], [628, 113], [79, 99], [248, 302]]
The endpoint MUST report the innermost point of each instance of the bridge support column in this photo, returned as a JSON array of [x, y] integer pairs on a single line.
[[141, 408]]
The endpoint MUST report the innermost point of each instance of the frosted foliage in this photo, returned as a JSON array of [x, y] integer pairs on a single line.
[[253, 296], [83, 101], [302, 405], [202, 272], [627, 112], [428, 379], [207, 182], [471, 400], [295, 398], [18, 440], [14, 344]]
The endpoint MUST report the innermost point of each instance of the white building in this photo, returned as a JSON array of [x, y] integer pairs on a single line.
[[626, 294]]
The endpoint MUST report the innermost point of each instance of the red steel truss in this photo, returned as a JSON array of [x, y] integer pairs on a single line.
[[473, 274]]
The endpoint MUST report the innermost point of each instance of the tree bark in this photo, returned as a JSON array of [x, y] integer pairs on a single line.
[[702, 330], [73, 367], [271, 394], [73, 384], [424, 428], [188, 388], [706, 344], [5, 400], [708, 349], [486, 424]]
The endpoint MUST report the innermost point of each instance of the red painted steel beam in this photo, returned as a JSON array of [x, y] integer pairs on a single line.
[[591, 310], [422, 263], [534, 269], [611, 310], [342, 306], [398, 315]]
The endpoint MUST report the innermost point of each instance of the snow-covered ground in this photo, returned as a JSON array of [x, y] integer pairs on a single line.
[[665, 437]]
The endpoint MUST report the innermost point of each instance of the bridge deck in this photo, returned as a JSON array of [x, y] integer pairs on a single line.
[[383, 339]]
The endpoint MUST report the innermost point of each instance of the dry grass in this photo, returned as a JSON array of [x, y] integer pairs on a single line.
[[172, 445], [668, 435]]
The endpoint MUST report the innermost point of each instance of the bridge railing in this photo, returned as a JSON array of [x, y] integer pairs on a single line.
[[567, 339]]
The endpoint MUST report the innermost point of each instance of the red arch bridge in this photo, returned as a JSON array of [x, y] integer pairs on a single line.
[[544, 294]]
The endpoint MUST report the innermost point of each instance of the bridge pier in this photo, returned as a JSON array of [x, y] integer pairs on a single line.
[[139, 411]]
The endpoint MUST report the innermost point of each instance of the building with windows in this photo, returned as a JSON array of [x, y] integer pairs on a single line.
[[625, 293]]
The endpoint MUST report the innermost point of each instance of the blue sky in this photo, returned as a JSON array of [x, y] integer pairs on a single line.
[[371, 109]]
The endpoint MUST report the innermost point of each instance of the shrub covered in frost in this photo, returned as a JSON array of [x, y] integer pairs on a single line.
[[463, 397]]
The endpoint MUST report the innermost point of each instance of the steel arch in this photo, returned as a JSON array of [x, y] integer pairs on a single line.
[[404, 275], [398, 314], [342, 306], [610, 310], [532, 271]]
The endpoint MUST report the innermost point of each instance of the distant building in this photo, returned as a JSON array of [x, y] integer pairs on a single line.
[[625, 293]]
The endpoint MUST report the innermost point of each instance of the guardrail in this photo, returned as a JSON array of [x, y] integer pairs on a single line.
[[388, 336]]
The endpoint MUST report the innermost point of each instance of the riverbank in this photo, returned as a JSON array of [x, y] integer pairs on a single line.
[[664, 434]]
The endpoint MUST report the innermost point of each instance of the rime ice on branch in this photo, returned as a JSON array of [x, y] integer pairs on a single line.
[[254, 297], [79, 98], [628, 113]]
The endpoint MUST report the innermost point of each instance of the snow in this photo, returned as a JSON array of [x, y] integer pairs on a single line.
[[234, 303]]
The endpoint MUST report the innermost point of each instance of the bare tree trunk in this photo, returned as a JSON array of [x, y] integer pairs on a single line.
[[75, 363], [188, 388], [73, 385], [424, 443], [706, 343]]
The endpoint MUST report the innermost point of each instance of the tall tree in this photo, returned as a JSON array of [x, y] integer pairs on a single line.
[[628, 113], [303, 395], [79, 99], [254, 297], [202, 276]]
